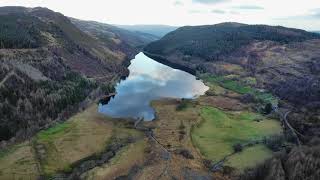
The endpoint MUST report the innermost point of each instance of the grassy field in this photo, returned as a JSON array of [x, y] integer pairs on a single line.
[[121, 163], [249, 157], [220, 130], [58, 148], [241, 88], [18, 162], [172, 130], [84, 134]]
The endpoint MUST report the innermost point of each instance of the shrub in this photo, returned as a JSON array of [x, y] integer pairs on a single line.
[[275, 143], [237, 148], [268, 108], [184, 103]]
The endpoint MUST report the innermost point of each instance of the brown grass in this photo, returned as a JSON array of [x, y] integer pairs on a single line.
[[120, 165], [87, 134], [221, 102], [19, 163], [169, 126]]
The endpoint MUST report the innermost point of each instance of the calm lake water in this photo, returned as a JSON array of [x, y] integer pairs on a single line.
[[149, 80]]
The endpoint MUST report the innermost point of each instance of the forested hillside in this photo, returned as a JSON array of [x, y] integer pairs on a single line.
[[50, 69], [212, 42]]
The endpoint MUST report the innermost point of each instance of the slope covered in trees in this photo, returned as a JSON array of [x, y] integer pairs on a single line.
[[15, 33], [213, 41], [50, 69]]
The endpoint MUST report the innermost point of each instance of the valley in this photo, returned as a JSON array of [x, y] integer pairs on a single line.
[[88, 100]]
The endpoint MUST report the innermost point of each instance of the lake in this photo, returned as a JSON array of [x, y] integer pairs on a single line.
[[149, 80]]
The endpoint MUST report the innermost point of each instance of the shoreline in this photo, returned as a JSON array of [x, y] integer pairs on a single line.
[[164, 61]]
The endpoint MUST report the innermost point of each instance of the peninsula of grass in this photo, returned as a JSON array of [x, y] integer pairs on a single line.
[[219, 131]]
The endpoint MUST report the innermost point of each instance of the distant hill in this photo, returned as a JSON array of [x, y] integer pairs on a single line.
[[317, 32], [157, 30], [110, 34], [49, 68], [211, 41]]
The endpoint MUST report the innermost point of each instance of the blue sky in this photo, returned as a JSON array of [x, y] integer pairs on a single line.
[[292, 13]]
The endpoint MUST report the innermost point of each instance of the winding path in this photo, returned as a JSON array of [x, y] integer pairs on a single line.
[[284, 119]]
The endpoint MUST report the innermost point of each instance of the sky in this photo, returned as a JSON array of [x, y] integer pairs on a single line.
[[303, 14]]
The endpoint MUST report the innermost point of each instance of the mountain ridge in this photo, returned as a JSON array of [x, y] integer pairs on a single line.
[[157, 30], [112, 35], [197, 40]]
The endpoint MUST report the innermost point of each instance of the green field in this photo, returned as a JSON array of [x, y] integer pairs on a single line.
[[249, 157], [241, 88], [220, 130]]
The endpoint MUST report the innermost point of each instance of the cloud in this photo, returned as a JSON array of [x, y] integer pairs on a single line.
[[209, 1], [196, 11], [316, 16], [234, 12], [248, 7], [315, 13], [217, 11], [178, 3]]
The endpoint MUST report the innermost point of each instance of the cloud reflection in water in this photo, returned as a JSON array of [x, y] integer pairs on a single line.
[[149, 80]]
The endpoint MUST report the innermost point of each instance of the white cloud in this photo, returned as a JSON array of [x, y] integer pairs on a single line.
[[218, 11], [248, 7], [178, 3], [182, 12], [210, 1]]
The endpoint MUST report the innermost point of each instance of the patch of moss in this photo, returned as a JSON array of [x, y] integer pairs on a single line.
[[52, 132]]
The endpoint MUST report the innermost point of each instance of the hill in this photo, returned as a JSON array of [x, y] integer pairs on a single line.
[[49, 69], [112, 35], [258, 50], [212, 41], [156, 30]]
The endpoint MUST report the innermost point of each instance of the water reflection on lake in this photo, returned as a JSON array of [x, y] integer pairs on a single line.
[[149, 80]]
